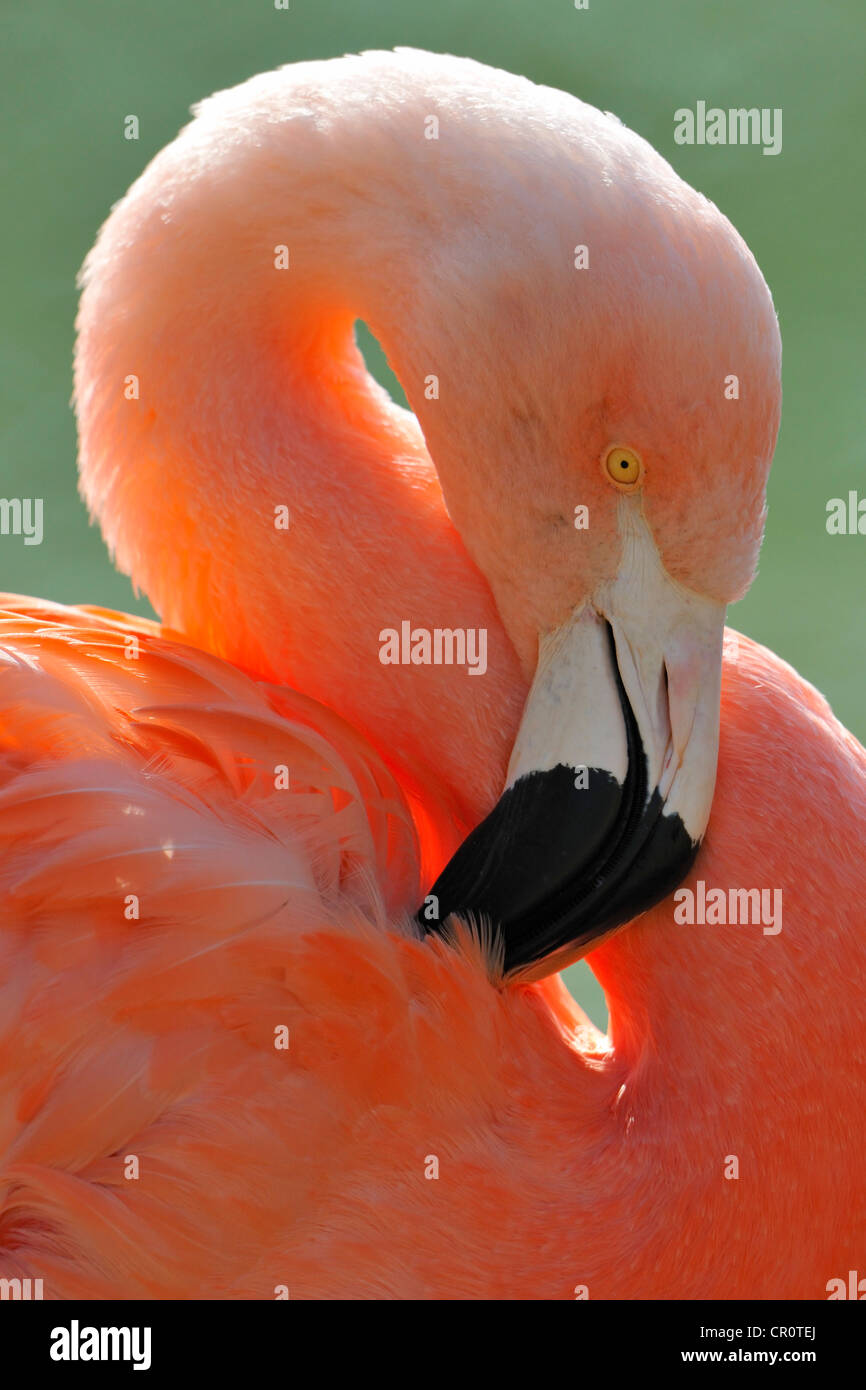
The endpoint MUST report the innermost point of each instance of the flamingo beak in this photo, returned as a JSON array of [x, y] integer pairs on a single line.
[[611, 777]]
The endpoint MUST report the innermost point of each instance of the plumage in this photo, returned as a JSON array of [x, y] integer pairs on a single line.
[[230, 1061]]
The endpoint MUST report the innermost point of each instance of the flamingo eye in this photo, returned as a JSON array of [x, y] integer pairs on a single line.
[[623, 467]]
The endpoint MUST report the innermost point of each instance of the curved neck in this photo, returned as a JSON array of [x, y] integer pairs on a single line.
[[270, 499]]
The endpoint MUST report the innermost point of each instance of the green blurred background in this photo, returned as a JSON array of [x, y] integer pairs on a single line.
[[69, 74]]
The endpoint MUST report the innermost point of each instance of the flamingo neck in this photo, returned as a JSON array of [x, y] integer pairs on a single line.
[[274, 504]]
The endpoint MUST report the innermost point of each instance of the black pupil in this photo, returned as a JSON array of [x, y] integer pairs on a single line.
[[623, 463]]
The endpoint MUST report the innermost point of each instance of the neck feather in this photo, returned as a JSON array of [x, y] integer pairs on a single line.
[[216, 385]]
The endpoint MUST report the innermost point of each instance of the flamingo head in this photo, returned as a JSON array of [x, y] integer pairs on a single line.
[[614, 393]]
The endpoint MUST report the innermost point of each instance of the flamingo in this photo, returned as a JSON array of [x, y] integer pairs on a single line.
[[282, 920]]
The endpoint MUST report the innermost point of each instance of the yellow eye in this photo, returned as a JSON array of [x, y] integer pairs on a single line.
[[623, 467]]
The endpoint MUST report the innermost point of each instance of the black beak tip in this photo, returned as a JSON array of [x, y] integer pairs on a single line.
[[560, 862]]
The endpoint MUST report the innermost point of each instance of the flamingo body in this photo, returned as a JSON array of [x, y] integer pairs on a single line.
[[564, 1158]]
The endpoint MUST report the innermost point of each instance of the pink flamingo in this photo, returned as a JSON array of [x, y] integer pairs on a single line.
[[234, 1064]]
